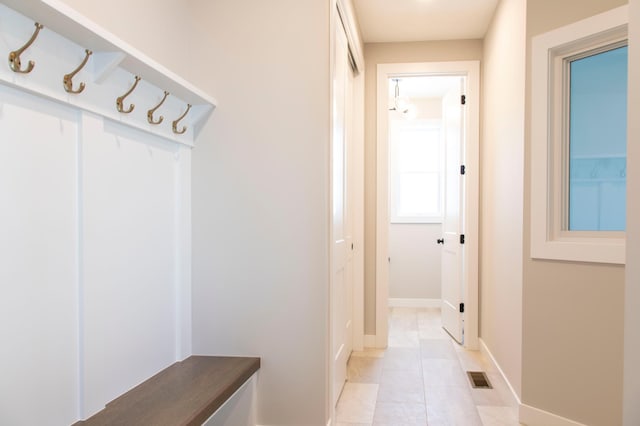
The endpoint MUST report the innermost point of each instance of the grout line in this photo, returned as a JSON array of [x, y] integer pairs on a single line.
[[410, 318], [424, 384]]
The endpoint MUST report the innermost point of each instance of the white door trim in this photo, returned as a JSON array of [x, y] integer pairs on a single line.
[[470, 275], [357, 202], [347, 15]]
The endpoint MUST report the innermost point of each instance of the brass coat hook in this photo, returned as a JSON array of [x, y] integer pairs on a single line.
[[177, 120], [120, 99], [67, 81], [152, 110], [14, 57]]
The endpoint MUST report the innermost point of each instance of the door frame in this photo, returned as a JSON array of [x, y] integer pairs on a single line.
[[470, 69]]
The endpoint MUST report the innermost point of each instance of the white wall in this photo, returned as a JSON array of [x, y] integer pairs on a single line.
[[260, 174], [260, 205], [38, 279], [160, 29], [90, 254], [502, 168], [414, 270], [631, 408]]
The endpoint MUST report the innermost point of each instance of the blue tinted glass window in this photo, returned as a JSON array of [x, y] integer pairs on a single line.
[[598, 142]]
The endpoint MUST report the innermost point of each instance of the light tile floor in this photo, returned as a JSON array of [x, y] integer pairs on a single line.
[[420, 379]]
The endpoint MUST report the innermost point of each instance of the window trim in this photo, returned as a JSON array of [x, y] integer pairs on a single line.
[[549, 51]]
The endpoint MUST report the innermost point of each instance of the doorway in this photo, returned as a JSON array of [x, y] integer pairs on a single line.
[[416, 187], [427, 130]]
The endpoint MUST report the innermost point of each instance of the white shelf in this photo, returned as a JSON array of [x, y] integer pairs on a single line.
[[110, 71]]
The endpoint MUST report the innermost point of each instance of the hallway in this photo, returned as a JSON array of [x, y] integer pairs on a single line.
[[420, 379]]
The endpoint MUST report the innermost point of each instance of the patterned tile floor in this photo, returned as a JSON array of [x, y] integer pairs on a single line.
[[420, 379]]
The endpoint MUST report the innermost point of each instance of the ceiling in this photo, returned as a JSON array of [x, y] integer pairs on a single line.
[[420, 20]]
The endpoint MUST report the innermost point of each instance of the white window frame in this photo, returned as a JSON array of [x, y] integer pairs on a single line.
[[394, 175], [549, 239]]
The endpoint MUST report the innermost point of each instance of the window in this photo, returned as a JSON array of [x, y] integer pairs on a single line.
[[416, 172], [597, 139], [578, 137]]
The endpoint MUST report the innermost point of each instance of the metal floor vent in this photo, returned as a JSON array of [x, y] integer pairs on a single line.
[[479, 380]]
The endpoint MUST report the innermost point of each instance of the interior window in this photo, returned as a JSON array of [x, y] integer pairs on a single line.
[[597, 140]]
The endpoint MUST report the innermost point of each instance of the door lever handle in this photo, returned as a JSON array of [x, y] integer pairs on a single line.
[[440, 241]]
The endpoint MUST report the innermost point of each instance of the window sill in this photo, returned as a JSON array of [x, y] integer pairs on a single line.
[[580, 249]]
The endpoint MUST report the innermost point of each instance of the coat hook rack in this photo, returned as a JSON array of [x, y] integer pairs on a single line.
[[67, 81], [120, 100], [176, 121], [14, 57], [152, 110]]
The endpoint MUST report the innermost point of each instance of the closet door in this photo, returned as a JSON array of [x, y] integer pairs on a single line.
[[38, 260]]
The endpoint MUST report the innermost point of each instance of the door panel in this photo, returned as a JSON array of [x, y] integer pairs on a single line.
[[342, 273], [453, 251]]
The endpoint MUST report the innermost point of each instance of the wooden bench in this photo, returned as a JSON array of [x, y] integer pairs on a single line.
[[185, 393]]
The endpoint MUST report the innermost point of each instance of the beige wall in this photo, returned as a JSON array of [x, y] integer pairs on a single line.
[[381, 53], [260, 181], [260, 205], [632, 294], [572, 312], [158, 28], [501, 188]]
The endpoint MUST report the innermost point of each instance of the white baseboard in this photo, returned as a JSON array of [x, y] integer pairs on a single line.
[[528, 415], [487, 353], [532, 416], [369, 340], [414, 303]]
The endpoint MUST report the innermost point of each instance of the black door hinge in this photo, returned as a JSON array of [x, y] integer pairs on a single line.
[[463, 170], [461, 238], [462, 308], [463, 99]]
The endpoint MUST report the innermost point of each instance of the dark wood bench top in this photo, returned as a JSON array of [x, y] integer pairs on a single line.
[[185, 393]]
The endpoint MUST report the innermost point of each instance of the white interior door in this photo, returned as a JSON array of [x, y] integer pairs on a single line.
[[452, 226], [341, 282]]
